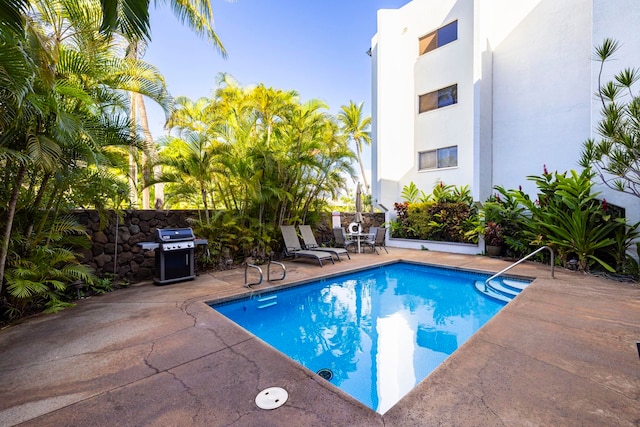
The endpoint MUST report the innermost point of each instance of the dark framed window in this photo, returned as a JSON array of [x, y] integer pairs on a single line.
[[438, 98], [446, 157], [438, 38]]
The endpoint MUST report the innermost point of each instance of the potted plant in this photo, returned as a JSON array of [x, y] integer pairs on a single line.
[[493, 238]]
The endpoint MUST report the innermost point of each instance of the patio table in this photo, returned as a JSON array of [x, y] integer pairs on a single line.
[[359, 237]]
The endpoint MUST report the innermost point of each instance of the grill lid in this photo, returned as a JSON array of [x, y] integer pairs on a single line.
[[174, 234]]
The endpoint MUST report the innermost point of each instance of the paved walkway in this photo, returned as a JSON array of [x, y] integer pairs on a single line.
[[563, 353]]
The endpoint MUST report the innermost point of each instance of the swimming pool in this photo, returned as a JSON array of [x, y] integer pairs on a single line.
[[376, 333]]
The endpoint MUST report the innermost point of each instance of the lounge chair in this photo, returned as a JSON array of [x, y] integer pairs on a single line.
[[311, 243], [339, 236], [293, 248]]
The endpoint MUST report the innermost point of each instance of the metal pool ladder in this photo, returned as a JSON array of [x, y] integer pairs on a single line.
[[249, 265]]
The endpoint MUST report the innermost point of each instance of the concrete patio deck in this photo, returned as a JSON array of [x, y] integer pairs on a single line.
[[563, 353]]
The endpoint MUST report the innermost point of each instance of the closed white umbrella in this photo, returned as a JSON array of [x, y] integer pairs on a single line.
[[358, 218]]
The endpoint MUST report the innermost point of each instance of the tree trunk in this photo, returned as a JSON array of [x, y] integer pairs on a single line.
[[146, 176], [11, 211], [149, 155], [152, 159], [203, 194], [158, 188], [36, 205], [136, 48], [364, 177], [133, 151]]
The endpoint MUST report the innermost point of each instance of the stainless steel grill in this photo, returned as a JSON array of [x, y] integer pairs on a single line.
[[174, 254]]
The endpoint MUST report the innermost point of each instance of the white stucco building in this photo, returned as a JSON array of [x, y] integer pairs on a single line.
[[486, 92]]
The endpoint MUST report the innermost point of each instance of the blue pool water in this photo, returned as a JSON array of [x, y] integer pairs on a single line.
[[379, 331]]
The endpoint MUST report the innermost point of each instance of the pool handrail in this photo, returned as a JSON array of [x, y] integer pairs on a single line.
[[246, 269], [284, 271], [504, 270], [248, 265]]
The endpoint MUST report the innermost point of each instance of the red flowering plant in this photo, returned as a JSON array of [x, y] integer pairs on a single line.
[[493, 234], [501, 221]]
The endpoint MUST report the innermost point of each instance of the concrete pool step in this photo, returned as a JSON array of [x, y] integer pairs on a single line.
[[497, 285], [515, 284], [496, 290]]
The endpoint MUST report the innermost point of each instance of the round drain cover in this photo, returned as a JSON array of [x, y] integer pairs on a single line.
[[325, 373], [271, 398]]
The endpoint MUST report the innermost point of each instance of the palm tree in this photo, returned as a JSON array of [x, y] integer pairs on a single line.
[[188, 115], [70, 106], [198, 15], [263, 155], [271, 105], [150, 158], [131, 18], [356, 127], [149, 153], [191, 162], [127, 17], [315, 153]]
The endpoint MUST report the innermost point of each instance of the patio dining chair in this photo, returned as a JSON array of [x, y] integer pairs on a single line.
[[340, 236], [369, 241], [372, 234], [380, 240]]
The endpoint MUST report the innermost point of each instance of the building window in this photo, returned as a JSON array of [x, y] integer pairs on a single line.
[[437, 159], [440, 37], [438, 99]]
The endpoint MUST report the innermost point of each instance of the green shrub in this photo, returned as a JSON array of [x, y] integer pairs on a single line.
[[503, 208], [441, 221], [568, 217], [447, 214], [42, 267]]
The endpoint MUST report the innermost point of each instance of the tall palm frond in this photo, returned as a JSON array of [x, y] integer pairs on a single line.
[[131, 18], [12, 13], [356, 127]]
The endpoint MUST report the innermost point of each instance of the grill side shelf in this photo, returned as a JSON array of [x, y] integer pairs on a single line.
[[149, 246]]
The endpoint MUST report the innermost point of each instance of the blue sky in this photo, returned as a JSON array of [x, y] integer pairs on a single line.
[[316, 47]]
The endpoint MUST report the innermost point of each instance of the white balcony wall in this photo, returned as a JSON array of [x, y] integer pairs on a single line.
[[392, 127], [541, 92], [400, 75], [452, 125], [526, 90]]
